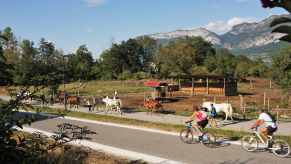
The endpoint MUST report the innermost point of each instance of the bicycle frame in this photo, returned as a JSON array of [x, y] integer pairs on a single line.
[[259, 136], [193, 128]]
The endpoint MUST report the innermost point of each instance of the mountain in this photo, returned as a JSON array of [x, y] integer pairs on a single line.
[[253, 39], [202, 32], [251, 35]]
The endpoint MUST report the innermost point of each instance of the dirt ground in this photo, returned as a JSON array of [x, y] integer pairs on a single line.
[[252, 93]]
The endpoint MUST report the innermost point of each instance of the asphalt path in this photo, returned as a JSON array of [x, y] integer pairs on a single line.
[[163, 145]]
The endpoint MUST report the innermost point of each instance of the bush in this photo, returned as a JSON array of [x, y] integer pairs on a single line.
[[141, 75], [125, 75]]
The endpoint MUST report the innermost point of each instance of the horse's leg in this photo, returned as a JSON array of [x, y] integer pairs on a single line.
[[226, 115], [230, 112]]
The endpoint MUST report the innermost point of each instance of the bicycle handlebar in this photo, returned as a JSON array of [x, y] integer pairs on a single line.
[[254, 128], [187, 122]]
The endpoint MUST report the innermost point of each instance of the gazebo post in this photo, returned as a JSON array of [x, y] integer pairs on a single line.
[[192, 93], [207, 85], [224, 86]]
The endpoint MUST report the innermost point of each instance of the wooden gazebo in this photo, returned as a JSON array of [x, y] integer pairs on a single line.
[[207, 85], [160, 88]]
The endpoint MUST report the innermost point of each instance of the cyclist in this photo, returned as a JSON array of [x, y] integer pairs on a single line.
[[270, 124], [200, 117]]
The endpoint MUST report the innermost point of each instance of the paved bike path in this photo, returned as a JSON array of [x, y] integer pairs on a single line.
[[164, 146]]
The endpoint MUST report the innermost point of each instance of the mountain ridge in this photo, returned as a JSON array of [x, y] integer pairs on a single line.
[[242, 37]]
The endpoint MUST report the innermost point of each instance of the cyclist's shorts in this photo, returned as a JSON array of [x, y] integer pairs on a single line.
[[271, 130], [203, 123]]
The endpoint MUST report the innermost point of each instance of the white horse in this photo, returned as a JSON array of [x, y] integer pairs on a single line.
[[112, 104], [223, 107]]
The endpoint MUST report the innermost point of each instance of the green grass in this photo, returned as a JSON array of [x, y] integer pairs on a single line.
[[230, 134], [102, 88]]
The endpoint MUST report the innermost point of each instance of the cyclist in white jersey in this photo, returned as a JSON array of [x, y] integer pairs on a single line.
[[270, 124]]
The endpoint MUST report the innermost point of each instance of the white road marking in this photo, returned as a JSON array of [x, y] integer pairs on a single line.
[[112, 150]]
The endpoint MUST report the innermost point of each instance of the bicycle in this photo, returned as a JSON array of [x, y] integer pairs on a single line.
[[278, 147], [187, 135]]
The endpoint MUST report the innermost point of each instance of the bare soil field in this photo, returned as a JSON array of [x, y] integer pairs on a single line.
[[252, 93], [133, 93]]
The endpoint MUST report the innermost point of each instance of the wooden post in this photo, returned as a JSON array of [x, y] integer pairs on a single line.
[[224, 86], [207, 85], [268, 104], [179, 82], [270, 84], [264, 99], [192, 92], [241, 102]]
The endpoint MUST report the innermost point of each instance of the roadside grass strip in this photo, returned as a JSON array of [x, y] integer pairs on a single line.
[[109, 149]]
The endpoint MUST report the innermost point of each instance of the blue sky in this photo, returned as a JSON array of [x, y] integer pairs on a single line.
[[96, 23]]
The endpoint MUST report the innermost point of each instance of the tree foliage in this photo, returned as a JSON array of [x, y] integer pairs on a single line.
[[179, 57], [282, 68]]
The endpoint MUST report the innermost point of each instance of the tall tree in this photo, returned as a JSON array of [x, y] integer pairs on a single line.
[[25, 67], [4, 77], [225, 62], [282, 68], [181, 56], [150, 47], [82, 61], [10, 46], [125, 57]]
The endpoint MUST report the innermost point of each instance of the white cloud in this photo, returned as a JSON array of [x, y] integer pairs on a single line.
[[94, 3], [224, 26]]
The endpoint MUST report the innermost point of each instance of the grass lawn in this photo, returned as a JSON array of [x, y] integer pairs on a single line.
[[105, 88]]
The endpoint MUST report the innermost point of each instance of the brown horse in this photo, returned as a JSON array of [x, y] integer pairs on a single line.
[[73, 100], [152, 105], [60, 97]]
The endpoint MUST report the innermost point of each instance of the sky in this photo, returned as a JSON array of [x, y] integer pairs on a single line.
[[98, 23]]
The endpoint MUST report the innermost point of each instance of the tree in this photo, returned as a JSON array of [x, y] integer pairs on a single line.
[[150, 48], [281, 66], [179, 57], [125, 57], [10, 46], [81, 63], [25, 67], [259, 68], [225, 63], [4, 68], [286, 4]]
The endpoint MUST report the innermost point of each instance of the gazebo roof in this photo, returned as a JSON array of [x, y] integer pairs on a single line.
[[215, 77], [155, 84]]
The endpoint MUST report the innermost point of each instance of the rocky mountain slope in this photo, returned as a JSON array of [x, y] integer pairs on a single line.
[[244, 38]]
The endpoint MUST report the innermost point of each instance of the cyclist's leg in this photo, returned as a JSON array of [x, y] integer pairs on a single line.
[[197, 129], [270, 132], [264, 134]]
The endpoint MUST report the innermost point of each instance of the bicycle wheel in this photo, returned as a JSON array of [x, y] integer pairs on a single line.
[[249, 143], [186, 136], [280, 148], [208, 139]]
